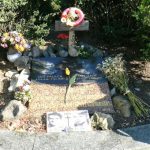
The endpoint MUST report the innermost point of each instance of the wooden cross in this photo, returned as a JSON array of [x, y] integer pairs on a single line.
[[59, 26]]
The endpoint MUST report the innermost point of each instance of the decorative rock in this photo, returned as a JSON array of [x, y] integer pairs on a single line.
[[50, 51], [24, 75], [137, 89], [22, 62], [122, 104], [10, 73], [18, 79], [53, 55], [13, 83], [46, 54], [36, 52], [13, 110], [73, 52], [113, 91], [63, 52], [87, 47], [102, 121]]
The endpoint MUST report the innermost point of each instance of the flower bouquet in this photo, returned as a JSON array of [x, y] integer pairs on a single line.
[[23, 93], [115, 71], [16, 44]]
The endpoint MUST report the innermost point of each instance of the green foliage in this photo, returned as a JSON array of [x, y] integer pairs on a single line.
[[142, 15], [84, 53], [111, 19], [72, 79], [146, 52], [8, 14], [21, 16], [35, 28]]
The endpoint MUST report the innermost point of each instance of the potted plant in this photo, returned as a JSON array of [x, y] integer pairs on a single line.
[[16, 44]]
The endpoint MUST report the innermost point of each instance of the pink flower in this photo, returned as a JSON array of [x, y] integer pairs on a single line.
[[17, 39], [4, 45]]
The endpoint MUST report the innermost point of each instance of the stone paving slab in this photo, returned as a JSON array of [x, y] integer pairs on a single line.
[[136, 138], [78, 141], [16, 141]]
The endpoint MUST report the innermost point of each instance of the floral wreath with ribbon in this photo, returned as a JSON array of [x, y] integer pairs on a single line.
[[72, 16]]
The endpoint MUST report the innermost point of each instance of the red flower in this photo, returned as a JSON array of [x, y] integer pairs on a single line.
[[62, 36]]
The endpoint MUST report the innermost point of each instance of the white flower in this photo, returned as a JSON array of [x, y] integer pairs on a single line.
[[26, 88], [69, 23], [63, 20]]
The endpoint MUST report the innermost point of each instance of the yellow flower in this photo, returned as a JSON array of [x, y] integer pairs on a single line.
[[21, 48], [67, 71], [6, 34], [20, 34], [17, 47]]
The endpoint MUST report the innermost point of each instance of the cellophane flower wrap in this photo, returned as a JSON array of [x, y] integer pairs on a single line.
[[15, 40], [114, 70]]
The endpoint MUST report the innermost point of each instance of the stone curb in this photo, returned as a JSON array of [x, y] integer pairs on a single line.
[[135, 138]]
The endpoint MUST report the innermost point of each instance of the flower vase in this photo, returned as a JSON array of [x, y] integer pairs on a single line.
[[13, 55]]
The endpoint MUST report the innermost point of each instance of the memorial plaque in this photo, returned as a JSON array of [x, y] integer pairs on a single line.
[[49, 85], [52, 70], [68, 121]]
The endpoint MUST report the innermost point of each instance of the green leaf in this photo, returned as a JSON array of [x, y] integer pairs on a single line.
[[72, 79]]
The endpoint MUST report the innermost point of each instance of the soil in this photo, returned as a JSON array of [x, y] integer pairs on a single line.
[[139, 75]]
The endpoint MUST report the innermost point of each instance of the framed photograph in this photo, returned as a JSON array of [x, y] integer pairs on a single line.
[[68, 121]]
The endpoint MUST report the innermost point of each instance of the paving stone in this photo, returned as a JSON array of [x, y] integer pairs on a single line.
[[16, 141], [137, 138], [78, 141]]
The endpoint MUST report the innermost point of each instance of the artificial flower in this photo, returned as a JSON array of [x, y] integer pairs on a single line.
[[63, 20], [62, 36], [6, 34], [15, 40], [16, 46], [67, 71]]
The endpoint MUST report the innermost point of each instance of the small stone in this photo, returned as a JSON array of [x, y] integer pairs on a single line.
[[13, 110], [73, 52], [52, 55], [46, 54], [13, 125], [10, 73], [122, 104], [102, 121], [3, 62], [50, 49], [36, 52], [63, 52], [113, 91], [22, 62], [137, 89], [13, 83]]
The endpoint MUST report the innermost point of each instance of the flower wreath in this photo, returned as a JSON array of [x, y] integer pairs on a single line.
[[72, 16]]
